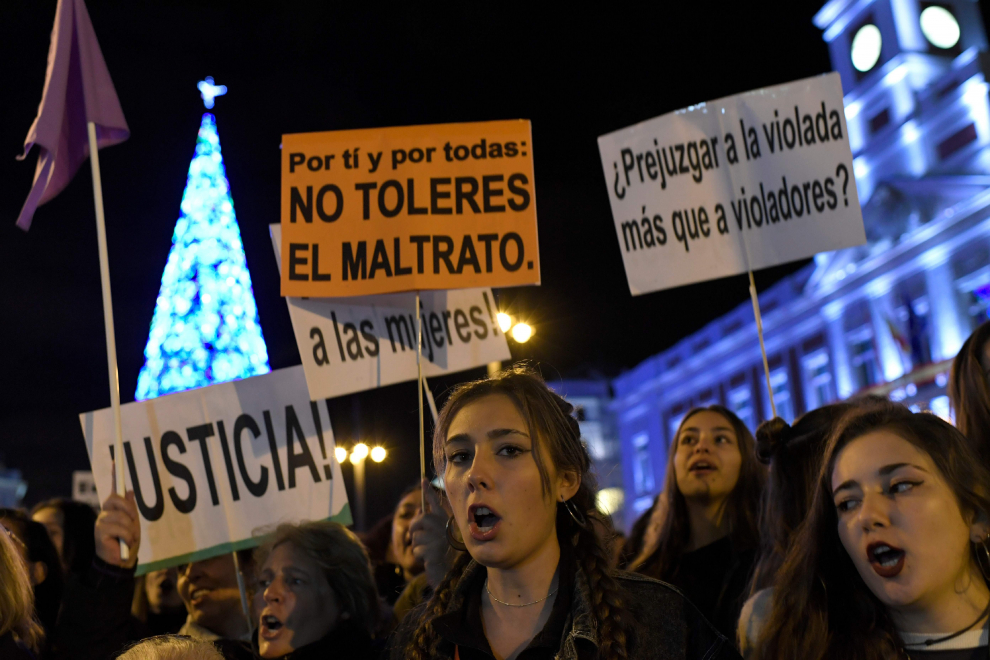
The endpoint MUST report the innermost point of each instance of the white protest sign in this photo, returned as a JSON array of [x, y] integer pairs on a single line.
[[360, 343], [212, 467], [737, 184]]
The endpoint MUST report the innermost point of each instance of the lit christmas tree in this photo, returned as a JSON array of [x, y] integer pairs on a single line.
[[205, 329]]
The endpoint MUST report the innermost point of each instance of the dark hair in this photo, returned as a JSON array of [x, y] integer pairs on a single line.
[[969, 391], [633, 544], [377, 539], [795, 454], [741, 506], [821, 607], [47, 594], [78, 544], [557, 440], [343, 560]]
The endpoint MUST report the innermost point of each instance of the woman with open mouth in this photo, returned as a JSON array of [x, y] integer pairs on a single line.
[[320, 599], [894, 557], [708, 536], [534, 581]]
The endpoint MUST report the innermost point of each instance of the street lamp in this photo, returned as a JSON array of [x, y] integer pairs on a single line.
[[358, 454], [519, 331], [522, 332]]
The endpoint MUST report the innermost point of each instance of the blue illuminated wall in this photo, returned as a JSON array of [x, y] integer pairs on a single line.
[[205, 329]]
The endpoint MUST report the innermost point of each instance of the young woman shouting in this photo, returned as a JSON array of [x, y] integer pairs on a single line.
[[535, 582], [892, 559], [708, 536]]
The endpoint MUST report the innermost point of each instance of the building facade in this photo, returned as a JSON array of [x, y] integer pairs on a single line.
[[885, 317]]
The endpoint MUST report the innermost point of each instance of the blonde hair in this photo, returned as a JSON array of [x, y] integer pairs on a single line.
[[171, 647], [16, 596], [343, 561]]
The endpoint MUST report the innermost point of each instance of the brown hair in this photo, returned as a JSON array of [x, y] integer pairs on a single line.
[[969, 391], [557, 440], [16, 597], [821, 607], [795, 454], [741, 506], [343, 560]]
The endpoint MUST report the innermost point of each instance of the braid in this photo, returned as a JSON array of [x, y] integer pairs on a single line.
[[607, 598], [424, 640]]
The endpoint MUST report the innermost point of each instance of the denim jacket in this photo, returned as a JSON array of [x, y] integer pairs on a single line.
[[668, 627]]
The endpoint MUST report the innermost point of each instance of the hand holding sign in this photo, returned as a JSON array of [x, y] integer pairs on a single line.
[[118, 522], [429, 537]]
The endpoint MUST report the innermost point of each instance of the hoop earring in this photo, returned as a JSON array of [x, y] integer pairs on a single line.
[[451, 541], [576, 515]]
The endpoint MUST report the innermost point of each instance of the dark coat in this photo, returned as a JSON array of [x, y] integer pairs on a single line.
[[95, 622], [668, 627]]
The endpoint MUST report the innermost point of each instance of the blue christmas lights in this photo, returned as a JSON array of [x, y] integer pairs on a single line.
[[205, 329]]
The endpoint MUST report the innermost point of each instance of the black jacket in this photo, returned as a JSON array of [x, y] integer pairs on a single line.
[[95, 622], [668, 627], [344, 641]]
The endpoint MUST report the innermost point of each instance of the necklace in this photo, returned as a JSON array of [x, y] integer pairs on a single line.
[[938, 640], [502, 602]]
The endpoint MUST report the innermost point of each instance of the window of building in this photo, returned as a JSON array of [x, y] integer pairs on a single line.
[[674, 424], [818, 387], [781, 395], [643, 479], [979, 305], [741, 403], [863, 356]]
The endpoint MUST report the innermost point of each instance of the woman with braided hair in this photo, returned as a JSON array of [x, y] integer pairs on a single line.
[[534, 581]]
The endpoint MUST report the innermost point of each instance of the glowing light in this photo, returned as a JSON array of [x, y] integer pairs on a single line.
[[504, 321], [208, 91], [610, 500], [203, 331], [360, 450], [341, 454], [522, 332], [378, 454], [939, 26], [866, 45]]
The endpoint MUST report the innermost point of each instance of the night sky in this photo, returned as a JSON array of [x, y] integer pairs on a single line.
[[311, 66]]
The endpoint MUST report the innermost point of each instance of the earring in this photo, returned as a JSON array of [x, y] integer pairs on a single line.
[[579, 518], [453, 542], [985, 544]]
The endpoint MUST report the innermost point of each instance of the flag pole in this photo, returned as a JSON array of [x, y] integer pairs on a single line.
[[759, 330], [419, 386], [101, 239]]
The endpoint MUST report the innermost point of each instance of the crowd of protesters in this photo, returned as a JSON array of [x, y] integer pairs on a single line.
[[860, 531]]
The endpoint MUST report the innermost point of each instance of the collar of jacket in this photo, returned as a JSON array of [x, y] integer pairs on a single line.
[[580, 624]]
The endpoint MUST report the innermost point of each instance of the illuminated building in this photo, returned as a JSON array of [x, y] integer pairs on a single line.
[[886, 317], [205, 328], [591, 398]]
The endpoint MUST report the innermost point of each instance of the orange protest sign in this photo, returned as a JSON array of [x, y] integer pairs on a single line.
[[444, 206]]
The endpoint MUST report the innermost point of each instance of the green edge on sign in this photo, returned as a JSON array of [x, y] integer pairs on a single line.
[[344, 518]]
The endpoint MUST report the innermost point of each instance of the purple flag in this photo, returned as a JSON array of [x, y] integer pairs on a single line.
[[78, 90]]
